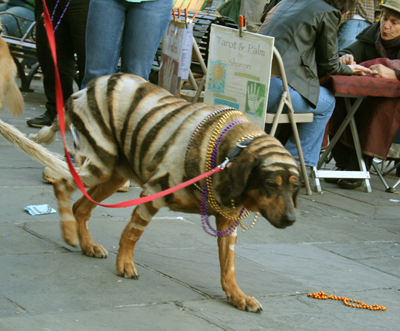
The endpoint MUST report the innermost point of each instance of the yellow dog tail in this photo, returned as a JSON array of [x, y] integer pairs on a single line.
[[14, 102], [35, 151]]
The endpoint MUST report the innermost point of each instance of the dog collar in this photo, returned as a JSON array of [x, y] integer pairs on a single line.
[[234, 153], [243, 143]]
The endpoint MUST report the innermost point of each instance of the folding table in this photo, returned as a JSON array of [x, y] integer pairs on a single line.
[[356, 89]]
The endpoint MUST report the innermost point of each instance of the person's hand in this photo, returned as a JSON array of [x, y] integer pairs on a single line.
[[360, 70], [380, 71], [347, 59]]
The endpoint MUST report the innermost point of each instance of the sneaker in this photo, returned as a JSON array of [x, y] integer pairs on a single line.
[[349, 183], [40, 121]]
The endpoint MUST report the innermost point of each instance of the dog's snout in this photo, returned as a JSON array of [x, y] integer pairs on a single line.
[[289, 219]]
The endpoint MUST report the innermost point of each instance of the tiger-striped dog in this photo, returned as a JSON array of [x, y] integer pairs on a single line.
[[132, 129]]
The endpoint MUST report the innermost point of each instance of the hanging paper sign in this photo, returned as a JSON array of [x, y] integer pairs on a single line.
[[176, 56], [239, 71]]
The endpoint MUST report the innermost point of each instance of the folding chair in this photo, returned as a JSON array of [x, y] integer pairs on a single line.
[[381, 172], [291, 117]]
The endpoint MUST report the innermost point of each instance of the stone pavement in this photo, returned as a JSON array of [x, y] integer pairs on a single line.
[[344, 243]]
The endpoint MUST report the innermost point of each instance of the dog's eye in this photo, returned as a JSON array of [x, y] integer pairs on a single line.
[[271, 184], [295, 186]]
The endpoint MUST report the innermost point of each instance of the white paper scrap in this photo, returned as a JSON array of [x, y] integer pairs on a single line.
[[39, 209]]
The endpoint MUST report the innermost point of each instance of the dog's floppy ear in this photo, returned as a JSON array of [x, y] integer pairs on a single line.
[[239, 172]]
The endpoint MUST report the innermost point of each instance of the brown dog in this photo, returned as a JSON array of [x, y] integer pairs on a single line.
[[10, 95], [131, 129]]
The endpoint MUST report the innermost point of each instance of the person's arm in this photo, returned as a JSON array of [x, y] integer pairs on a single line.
[[327, 56], [356, 49], [381, 71]]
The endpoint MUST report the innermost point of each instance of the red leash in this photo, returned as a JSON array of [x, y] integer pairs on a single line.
[[60, 107]]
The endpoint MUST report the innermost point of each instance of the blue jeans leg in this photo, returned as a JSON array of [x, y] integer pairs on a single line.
[[144, 28], [10, 25], [311, 134], [349, 30], [120, 28]]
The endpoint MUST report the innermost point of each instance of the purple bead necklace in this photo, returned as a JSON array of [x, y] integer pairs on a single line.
[[204, 195], [62, 15]]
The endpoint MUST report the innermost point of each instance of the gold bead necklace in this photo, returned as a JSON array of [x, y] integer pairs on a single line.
[[211, 198]]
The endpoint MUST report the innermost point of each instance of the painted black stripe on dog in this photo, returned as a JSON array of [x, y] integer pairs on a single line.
[[113, 106], [80, 125], [154, 159], [145, 124], [174, 124], [159, 156], [139, 98], [93, 105]]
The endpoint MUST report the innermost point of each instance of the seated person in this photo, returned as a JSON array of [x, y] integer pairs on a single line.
[[305, 34], [17, 27], [380, 40]]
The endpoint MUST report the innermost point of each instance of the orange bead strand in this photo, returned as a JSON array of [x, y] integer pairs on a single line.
[[346, 301]]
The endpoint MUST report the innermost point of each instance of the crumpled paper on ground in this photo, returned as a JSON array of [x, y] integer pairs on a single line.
[[39, 209]]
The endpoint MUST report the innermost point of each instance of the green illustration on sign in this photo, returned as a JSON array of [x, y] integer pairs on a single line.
[[255, 98]]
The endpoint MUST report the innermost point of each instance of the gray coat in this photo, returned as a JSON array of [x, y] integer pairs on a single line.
[[305, 34]]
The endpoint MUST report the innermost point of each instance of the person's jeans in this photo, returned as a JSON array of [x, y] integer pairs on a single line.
[[349, 30], [70, 40], [132, 31], [9, 23], [311, 134]]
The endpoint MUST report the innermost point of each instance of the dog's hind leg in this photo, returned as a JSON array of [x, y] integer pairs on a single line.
[[63, 190], [226, 249], [82, 210], [141, 217]]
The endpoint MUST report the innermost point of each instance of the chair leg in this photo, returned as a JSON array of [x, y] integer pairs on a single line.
[[278, 113], [379, 173], [300, 151]]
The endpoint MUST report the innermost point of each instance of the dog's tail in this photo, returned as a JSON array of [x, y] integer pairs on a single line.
[[47, 134], [14, 102], [34, 150]]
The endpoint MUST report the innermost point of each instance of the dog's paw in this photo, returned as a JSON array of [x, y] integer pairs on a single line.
[[95, 251], [71, 242], [68, 230], [127, 270], [246, 303]]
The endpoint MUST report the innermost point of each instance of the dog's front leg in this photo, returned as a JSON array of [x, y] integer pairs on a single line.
[[226, 249], [83, 208], [141, 217]]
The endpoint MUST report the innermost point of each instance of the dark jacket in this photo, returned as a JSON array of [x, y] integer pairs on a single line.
[[305, 34], [363, 49]]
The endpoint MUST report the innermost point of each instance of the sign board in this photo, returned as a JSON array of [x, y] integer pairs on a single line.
[[189, 4], [239, 71], [176, 55]]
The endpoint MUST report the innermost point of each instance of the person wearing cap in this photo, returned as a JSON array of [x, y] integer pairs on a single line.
[[380, 40]]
